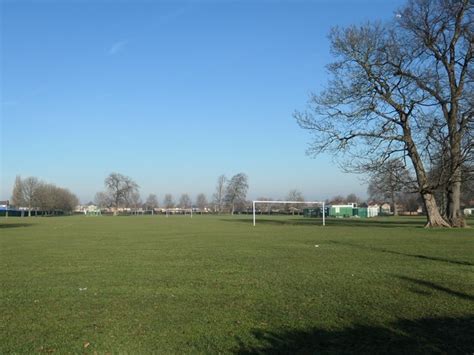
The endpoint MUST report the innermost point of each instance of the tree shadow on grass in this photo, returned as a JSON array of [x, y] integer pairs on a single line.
[[337, 222], [436, 287], [420, 336], [15, 225], [418, 256]]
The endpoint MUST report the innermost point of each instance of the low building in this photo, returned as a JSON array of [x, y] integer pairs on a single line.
[[469, 211], [385, 208]]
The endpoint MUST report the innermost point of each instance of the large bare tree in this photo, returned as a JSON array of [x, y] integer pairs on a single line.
[[120, 188], [369, 112], [439, 37]]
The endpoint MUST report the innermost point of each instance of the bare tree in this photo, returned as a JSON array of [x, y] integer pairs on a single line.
[[439, 44], [219, 195], [168, 201], [53, 199], [337, 200], [185, 201], [370, 113], [352, 198], [120, 188], [134, 201], [294, 195], [30, 192], [388, 181], [201, 202], [265, 206], [18, 198], [103, 200], [151, 202], [236, 191]]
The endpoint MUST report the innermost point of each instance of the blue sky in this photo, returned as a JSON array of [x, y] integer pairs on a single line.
[[173, 94]]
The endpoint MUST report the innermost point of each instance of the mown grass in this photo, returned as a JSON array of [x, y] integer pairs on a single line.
[[217, 284]]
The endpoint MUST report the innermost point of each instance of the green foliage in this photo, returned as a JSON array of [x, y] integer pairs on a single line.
[[217, 284]]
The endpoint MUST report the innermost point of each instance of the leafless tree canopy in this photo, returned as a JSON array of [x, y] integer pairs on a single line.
[[389, 181], [397, 91], [201, 201], [168, 201], [121, 189], [219, 195], [36, 194], [184, 201], [236, 191], [151, 202]]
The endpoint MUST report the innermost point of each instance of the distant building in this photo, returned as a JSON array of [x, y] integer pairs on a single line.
[[469, 211], [385, 208]]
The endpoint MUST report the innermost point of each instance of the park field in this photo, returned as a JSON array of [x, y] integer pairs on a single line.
[[210, 284]]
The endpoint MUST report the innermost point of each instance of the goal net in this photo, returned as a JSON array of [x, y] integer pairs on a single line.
[[320, 203]]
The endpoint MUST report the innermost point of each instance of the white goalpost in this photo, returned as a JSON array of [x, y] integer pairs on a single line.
[[254, 203]]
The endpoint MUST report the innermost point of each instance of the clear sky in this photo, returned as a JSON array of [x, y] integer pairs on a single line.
[[171, 93]]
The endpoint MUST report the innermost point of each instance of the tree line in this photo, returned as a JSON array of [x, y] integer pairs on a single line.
[[36, 194], [123, 192], [402, 93]]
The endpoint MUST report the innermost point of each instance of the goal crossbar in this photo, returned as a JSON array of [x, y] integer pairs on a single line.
[[288, 202]]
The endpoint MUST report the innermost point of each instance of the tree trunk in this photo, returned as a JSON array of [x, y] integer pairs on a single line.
[[394, 203], [432, 212], [453, 210], [453, 206]]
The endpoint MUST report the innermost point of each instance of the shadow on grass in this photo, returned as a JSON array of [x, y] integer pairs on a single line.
[[14, 225], [436, 287], [338, 222], [418, 256], [425, 335]]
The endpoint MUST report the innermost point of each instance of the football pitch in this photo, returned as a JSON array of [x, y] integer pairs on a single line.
[[209, 284]]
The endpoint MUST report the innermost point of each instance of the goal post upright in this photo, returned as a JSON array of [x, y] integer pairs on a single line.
[[287, 202]]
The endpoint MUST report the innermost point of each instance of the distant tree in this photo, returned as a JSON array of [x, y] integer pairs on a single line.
[[388, 181], [49, 197], [134, 201], [219, 195], [151, 202], [410, 202], [120, 189], [236, 191], [201, 202], [30, 187], [103, 200], [168, 201], [267, 207], [185, 201], [18, 198], [294, 195], [352, 197], [337, 200]]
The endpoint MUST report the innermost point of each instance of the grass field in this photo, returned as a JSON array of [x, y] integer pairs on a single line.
[[217, 284]]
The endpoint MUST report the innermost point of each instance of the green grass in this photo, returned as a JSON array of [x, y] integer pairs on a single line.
[[217, 284]]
